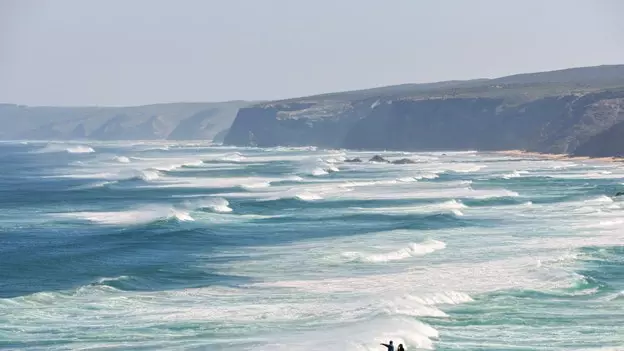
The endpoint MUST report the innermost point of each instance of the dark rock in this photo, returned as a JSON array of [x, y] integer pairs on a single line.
[[403, 161], [353, 160], [606, 144], [379, 159]]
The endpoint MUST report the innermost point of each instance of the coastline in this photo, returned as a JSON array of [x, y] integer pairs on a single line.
[[559, 156]]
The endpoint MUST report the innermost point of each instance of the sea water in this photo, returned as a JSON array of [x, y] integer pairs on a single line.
[[170, 246]]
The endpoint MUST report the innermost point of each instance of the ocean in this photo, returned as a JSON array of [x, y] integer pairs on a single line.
[[193, 246]]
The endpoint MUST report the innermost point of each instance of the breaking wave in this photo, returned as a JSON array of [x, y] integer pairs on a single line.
[[215, 204], [411, 250], [122, 159], [72, 149], [143, 215]]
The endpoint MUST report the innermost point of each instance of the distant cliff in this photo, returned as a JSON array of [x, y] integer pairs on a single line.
[[181, 121], [206, 124], [575, 111], [296, 124]]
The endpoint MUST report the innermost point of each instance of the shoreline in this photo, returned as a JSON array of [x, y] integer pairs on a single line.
[[559, 156]]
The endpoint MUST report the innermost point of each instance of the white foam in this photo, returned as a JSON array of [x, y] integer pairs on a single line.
[[443, 298], [615, 296], [96, 185], [515, 174], [148, 175], [258, 185], [599, 200], [411, 250], [468, 277], [336, 159], [409, 307], [69, 148], [215, 183], [131, 217], [457, 213], [122, 159], [351, 184], [105, 280], [216, 204], [319, 172], [442, 207], [308, 196], [127, 174], [464, 168], [233, 157], [427, 176], [293, 178], [175, 166], [79, 149]]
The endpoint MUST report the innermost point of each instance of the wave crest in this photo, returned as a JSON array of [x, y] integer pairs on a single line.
[[131, 217], [72, 149], [215, 204], [412, 250], [121, 159]]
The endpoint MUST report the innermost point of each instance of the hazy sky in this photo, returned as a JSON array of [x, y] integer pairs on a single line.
[[126, 52]]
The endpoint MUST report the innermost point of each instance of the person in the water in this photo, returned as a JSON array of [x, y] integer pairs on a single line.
[[400, 348], [389, 346]]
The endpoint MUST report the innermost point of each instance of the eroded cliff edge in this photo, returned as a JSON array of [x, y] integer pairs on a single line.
[[576, 111]]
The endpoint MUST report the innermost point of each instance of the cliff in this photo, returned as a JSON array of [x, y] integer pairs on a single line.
[[181, 121], [296, 124], [206, 124], [567, 111]]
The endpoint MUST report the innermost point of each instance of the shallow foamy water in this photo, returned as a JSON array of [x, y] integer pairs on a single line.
[[195, 246]]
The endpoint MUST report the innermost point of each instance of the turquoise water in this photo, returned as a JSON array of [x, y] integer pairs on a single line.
[[173, 246]]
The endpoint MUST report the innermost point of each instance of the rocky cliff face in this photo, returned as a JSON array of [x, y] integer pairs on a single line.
[[552, 124], [297, 124], [568, 111]]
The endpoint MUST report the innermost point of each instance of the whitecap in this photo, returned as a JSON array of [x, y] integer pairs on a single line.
[[457, 213], [410, 307], [79, 149], [442, 298], [615, 296], [147, 175], [452, 206], [427, 176], [257, 185], [122, 159], [599, 200], [215, 204], [514, 174], [96, 185], [105, 280], [412, 250], [72, 149], [143, 215], [233, 157], [319, 172], [308, 196]]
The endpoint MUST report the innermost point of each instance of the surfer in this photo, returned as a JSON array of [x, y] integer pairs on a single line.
[[400, 348], [389, 346]]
